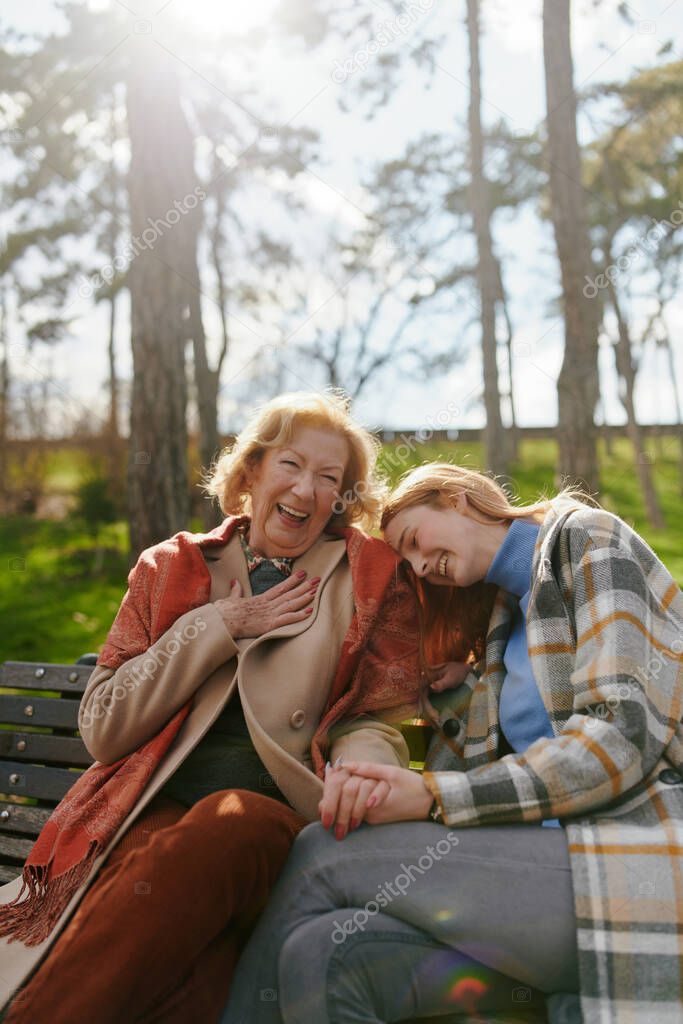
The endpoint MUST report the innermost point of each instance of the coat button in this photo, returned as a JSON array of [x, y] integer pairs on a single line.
[[297, 719], [451, 727], [670, 776]]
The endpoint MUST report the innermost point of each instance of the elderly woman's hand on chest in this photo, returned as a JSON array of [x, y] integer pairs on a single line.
[[289, 601]]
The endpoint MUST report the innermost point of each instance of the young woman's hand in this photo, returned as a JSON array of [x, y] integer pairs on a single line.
[[290, 601], [403, 797], [376, 793], [448, 674]]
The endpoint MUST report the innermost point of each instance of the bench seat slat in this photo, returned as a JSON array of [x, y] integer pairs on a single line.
[[36, 746], [22, 675], [35, 780], [45, 711]]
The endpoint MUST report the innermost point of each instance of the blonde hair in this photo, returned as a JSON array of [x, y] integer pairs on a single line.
[[454, 620], [362, 493]]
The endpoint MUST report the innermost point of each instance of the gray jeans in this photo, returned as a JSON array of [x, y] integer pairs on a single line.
[[408, 920]]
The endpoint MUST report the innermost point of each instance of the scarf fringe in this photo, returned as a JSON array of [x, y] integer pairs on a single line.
[[32, 915]]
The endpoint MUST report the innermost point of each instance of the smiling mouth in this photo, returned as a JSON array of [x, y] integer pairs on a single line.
[[292, 515], [441, 565]]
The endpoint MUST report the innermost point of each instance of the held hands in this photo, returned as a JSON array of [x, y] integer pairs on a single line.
[[290, 601], [376, 793]]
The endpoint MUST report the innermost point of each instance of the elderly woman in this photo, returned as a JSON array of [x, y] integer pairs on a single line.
[[544, 843], [239, 661]]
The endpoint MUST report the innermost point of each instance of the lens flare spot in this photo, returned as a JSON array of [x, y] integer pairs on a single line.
[[466, 992]]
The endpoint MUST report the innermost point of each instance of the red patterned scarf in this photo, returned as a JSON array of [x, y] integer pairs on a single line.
[[377, 671]]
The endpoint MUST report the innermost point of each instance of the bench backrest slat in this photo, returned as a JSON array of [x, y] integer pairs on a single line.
[[30, 780], [22, 819], [16, 849], [24, 675], [36, 746], [25, 709]]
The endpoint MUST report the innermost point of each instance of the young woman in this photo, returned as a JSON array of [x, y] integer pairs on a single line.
[[543, 843]]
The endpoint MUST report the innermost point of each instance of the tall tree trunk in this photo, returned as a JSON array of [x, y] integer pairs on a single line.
[[112, 233], [4, 398], [157, 472], [577, 385], [623, 355], [113, 380], [205, 379], [513, 433], [487, 275], [666, 343], [603, 427], [206, 386]]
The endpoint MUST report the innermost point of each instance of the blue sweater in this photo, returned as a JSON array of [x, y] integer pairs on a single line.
[[522, 713]]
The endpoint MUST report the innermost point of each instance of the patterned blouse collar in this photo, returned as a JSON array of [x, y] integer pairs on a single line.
[[283, 564]]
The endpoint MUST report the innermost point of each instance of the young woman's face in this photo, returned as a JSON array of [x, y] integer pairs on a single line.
[[446, 546], [293, 489]]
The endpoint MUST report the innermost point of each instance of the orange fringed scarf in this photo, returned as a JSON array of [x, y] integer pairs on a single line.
[[377, 672]]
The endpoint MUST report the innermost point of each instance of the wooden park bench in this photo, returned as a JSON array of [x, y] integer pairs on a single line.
[[42, 754]]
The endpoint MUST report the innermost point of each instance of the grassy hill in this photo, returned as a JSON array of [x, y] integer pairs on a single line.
[[57, 602]]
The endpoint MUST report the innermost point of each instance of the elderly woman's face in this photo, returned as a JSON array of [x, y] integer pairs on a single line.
[[293, 489]]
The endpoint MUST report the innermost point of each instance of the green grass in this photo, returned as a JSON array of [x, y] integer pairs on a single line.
[[55, 606]]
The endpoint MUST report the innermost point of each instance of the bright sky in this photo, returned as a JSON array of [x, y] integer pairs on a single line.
[[302, 89]]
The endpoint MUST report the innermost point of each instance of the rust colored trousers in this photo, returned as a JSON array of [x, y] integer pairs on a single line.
[[157, 936]]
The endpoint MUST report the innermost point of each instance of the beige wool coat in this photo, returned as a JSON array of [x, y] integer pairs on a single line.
[[283, 679]]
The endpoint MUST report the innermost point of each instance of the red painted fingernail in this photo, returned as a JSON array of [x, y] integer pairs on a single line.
[[300, 574], [339, 832], [372, 801], [316, 579], [327, 820], [308, 611], [354, 823]]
